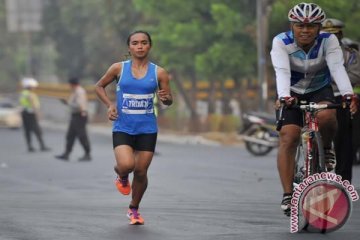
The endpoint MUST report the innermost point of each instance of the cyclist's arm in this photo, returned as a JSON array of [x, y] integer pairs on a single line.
[[335, 61], [281, 63]]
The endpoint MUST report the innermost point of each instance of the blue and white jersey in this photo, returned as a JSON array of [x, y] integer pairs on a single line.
[[303, 72], [135, 101]]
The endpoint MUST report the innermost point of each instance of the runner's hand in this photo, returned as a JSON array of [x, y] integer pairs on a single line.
[[112, 112], [164, 95]]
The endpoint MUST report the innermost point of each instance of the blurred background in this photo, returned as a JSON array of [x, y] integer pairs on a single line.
[[216, 51]]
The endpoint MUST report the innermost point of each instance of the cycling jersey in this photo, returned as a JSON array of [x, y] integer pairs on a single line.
[[303, 72], [135, 104]]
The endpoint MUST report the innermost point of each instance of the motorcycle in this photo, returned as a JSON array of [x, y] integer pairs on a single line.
[[259, 133]]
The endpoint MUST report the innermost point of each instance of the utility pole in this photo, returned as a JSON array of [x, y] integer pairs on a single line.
[[263, 9], [261, 58]]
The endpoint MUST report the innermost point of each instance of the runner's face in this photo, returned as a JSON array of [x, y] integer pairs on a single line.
[[305, 33], [139, 45]]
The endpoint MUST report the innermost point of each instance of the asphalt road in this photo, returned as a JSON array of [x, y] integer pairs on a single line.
[[195, 192]]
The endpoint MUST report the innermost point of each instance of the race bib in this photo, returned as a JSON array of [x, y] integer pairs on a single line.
[[137, 103]]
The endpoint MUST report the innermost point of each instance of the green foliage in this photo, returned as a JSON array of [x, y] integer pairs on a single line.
[[203, 39], [11, 58], [89, 35]]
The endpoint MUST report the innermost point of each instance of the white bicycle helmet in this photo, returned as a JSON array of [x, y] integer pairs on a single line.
[[306, 13]]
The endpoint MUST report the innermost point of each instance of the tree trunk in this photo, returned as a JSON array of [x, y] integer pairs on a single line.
[[194, 119], [226, 96], [211, 97]]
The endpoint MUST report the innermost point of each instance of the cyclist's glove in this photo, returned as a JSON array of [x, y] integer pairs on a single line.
[[351, 100], [288, 101]]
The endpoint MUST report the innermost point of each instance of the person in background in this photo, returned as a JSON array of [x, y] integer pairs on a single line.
[[345, 153], [350, 43], [30, 105], [78, 105]]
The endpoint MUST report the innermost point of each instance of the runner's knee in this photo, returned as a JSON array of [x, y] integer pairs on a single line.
[[140, 173]]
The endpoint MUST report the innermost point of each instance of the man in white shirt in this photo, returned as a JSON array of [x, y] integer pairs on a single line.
[[78, 105]]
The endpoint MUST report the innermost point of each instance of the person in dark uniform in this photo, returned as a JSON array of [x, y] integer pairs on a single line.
[[346, 124], [30, 104], [78, 104]]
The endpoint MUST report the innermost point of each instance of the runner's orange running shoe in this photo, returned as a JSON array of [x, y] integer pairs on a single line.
[[134, 217], [123, 185]]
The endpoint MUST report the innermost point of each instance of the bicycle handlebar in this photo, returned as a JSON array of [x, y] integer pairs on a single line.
[[315, 106], [308, 107]]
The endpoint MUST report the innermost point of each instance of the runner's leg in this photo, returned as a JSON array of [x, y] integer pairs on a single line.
[[140, 180], [125, 161]]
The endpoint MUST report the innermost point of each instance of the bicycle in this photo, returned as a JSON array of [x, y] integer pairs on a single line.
[[316, 191]]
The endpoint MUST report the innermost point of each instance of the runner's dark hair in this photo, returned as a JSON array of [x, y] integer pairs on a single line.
[[139, 31]]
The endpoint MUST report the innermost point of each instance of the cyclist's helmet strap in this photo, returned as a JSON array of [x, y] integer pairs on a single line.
[[306, 13]]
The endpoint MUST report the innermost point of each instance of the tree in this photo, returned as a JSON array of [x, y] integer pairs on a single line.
[[203, 39], [88, 35], [13, 57]]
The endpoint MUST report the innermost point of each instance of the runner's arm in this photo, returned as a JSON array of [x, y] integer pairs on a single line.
[[111, 74], [164, 91]]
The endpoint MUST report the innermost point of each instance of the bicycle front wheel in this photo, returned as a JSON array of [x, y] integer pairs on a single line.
[[299, 164]]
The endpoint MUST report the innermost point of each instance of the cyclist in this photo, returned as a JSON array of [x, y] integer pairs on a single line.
[[344, 135], [304, 59], [134, 128]]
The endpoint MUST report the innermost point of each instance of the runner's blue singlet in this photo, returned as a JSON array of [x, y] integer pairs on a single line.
[[135, 101]]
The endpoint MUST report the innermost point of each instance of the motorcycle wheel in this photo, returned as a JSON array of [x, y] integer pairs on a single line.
[[255, 148]]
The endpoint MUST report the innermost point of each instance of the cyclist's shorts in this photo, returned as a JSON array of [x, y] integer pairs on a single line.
[[294, 116], [140, 142]]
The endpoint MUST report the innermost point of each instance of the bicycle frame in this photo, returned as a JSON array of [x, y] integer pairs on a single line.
[[309, 134], [313, 156]]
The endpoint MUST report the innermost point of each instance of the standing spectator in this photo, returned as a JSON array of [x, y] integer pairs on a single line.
[[30, 104], [345, 153], [78, 104]]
